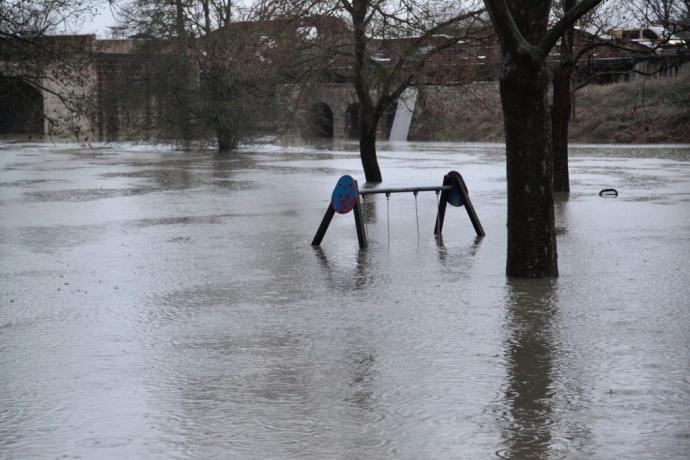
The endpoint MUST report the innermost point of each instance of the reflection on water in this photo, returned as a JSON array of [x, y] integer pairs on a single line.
[[362, 375], [343, 277], [466, 257], [166, 304], [530, 355]]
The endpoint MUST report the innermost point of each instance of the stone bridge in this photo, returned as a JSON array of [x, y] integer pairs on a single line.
[[48, 90], [329, 110], [69, 92]]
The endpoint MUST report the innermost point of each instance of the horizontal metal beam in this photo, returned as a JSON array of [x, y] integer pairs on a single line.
[[374, 191]]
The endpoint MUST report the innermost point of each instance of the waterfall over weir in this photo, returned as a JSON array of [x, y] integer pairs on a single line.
[[403, 115]]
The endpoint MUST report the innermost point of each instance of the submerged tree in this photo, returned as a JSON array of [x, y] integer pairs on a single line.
[[526, 41], [211, 74], [668, 18], [386, 50], [562, 84], [379, 83], [561, 107]]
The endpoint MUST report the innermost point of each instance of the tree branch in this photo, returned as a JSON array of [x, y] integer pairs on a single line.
[[512, 39], [568, 20], [409, 79], [661, 69], [602, 44], [412, 49]]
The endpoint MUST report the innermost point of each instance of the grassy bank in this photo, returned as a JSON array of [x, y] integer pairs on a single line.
[[643, 111]]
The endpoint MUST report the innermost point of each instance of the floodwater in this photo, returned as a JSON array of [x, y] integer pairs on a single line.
[[162, 304]]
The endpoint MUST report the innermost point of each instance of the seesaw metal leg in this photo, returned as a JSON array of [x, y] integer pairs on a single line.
[[442, 204], [359, 223], [327, 218], [455, 179], [468, 206]]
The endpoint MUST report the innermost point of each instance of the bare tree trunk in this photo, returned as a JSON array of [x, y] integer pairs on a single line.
[[183, 76], [526, 41], [531, 226], [560, 120], [367, 152], [226, 140], [368, 121], [179, 20], [562, 108]]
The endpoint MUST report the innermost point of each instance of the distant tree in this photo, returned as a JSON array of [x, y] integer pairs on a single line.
[[593, 22], [380, 85], [212, 74], [526, 41], [561, 106], [379, 73], [672, 17]]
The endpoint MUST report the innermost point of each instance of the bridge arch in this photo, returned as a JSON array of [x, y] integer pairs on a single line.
[[21, 107], [319, 121]]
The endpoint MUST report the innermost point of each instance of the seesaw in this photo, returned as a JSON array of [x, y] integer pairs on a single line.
[[346, 198]]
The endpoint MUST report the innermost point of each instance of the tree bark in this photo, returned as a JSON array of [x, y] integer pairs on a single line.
[[529, 165]]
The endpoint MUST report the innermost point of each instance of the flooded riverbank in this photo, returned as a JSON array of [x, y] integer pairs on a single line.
[[165, 304]]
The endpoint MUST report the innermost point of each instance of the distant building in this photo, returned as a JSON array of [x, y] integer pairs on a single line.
[[662, 41], [118, 32]]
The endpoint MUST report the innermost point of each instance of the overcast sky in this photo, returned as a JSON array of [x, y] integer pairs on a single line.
[[103, 20], [97, 24]]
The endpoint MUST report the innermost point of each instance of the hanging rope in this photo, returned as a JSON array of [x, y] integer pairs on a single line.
[[416, 212]]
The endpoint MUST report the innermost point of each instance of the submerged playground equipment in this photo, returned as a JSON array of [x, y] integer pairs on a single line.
[[346, 197]]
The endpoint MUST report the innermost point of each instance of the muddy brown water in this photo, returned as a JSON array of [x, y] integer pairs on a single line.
[[164, 304]]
